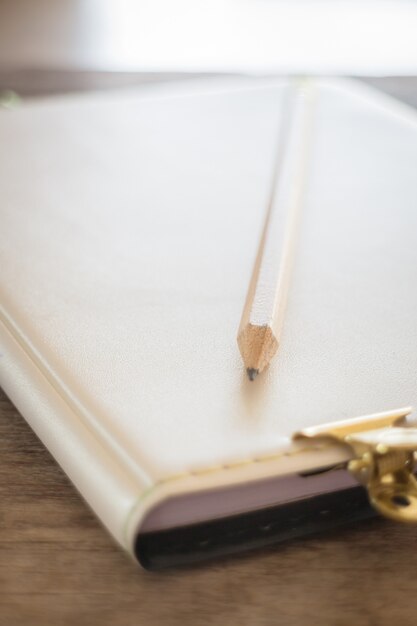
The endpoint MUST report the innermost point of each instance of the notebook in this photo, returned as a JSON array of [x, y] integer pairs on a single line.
[[130, 223]]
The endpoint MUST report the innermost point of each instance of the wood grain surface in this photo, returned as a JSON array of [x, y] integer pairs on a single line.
[[59, 567]]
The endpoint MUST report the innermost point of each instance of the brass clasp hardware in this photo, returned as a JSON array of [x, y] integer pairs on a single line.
[[384, 458]]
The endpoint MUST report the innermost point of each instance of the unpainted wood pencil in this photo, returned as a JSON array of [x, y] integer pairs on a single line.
[[262, 318]]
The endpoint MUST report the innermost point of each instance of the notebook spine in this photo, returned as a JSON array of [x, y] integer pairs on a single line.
[[104, 484]]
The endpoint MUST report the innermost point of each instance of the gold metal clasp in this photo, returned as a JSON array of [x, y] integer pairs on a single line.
[[384, 450]]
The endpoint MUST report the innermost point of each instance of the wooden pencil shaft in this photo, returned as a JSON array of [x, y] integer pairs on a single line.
[[263, 313]]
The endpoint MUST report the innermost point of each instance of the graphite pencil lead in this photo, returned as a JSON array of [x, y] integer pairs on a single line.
[[252, 373]]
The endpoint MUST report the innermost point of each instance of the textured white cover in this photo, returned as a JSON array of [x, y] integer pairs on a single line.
[[129, 225]]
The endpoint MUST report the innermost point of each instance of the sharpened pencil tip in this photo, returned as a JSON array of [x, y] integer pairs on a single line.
[[252, 373]]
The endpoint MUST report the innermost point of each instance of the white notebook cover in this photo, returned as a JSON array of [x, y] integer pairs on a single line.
[[129, 225]]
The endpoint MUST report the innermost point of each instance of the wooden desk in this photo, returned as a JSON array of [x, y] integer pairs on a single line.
[[59, 567]]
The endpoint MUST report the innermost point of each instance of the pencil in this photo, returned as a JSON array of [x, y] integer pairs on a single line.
[[263, 314]]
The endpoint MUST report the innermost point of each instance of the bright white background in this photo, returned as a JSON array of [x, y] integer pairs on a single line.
[[329, 36]]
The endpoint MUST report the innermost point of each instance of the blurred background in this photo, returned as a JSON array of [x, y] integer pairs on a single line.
[[61, 45]]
